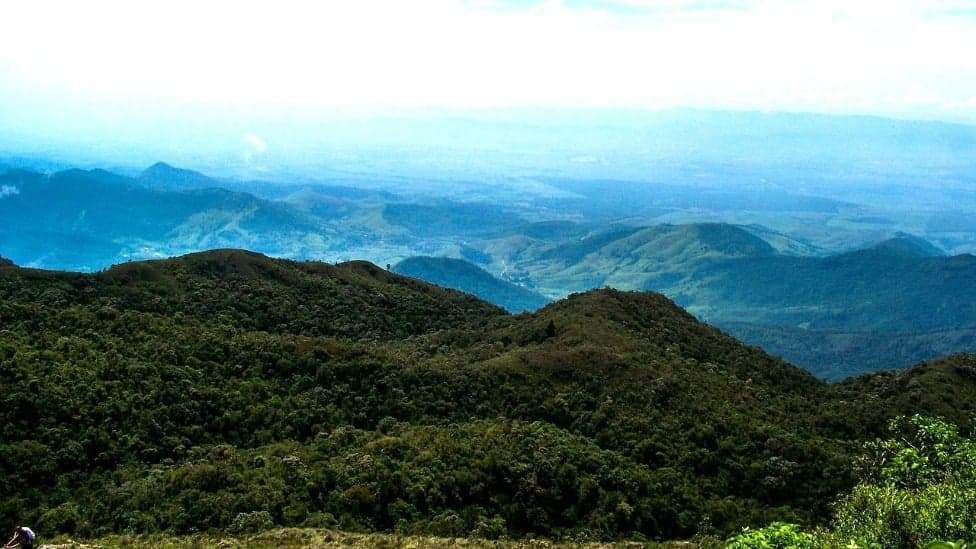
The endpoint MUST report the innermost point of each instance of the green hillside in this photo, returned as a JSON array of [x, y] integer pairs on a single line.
[[467, 277], [222, 389], [355, 300], [659, 256]]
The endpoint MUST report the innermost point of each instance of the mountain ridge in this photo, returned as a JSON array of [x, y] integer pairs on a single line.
[[275, 295]]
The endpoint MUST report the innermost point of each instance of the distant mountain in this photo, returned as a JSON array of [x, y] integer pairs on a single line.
[[4, 262], [64, 249], [865, 290], [834, 355], [907, 245], [725, 272], [783, 243], [894, 297], [656, 257], [168, 178], [87, 219], [467, 277]]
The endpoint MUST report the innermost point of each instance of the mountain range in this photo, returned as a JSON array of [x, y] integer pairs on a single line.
[[889, 304], [901, 300]]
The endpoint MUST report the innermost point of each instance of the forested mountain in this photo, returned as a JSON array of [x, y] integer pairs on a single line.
[[183, 394], [356, 300]]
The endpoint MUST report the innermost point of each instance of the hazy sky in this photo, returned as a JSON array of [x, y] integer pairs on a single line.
[[895, 57]]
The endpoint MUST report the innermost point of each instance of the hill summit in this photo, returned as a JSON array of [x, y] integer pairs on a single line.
[[166, 177]]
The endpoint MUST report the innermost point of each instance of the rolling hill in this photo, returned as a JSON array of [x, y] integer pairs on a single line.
[[731, 276]]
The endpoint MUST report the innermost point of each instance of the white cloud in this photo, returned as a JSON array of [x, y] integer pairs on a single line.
[[920, 96], [8, 190], [254, 146], [255, 142]]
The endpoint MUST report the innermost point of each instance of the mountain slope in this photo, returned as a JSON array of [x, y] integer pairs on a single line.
[[868, 290], [467, 277], [945, 387], [194, 365], [225, 383]]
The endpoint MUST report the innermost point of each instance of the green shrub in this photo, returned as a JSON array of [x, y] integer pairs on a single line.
[[919, 486], [778, 535]]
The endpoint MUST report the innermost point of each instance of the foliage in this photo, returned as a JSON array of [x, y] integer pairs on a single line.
[[220, 390], [918, 486], [777, 535], [307, 538], [254, 521], [924, 451]]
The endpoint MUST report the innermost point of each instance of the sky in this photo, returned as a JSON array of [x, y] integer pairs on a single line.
[[907, 59]]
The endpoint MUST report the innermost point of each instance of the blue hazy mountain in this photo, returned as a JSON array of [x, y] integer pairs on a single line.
[[88, 219], [467, 277], [168, 178]]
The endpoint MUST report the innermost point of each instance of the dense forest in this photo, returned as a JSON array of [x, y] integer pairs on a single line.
[[227, 390]]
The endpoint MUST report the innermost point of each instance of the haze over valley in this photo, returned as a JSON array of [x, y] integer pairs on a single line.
[[819, 238]]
